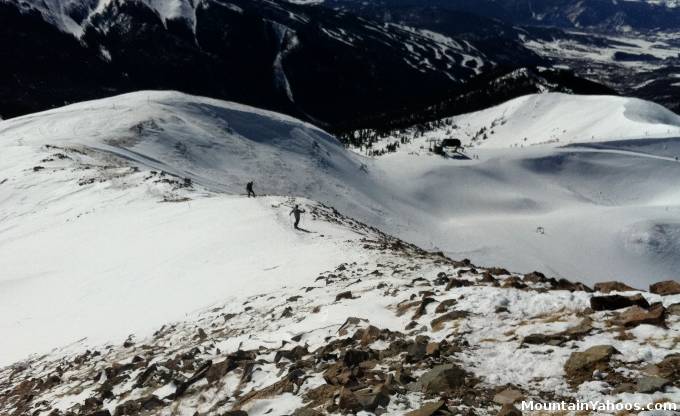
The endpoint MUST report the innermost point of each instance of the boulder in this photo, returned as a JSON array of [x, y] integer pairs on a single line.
[[498, 271], [537, 339], [338, 375], [674, 309], [509, 410], [612, 286], [292, 355], [371, 398], [613, 302], [422, 308], [453, 283], [655, 315], [508, 396], [668, 287], [548, 339], [432, 349], [514, 282], [355, 357], [651, 384], [445, 305], [579, 331], [133, 407], [535, 277], [488, 278], [417, 350], [219, 370], [305, 411], [428, 409], [669, 367], [564, 284], [344, 295], [438, 322], [581, 365], [367, 335], [441, 279], [442, 378], [348, 401]]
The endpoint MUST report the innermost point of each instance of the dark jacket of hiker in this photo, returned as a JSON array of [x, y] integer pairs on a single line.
[[296, 212]]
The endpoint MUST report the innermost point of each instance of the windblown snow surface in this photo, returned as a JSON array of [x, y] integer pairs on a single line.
[[122, 214]]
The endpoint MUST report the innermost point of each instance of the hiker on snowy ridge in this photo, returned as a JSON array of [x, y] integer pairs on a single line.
[[296, 211], [249, 188]]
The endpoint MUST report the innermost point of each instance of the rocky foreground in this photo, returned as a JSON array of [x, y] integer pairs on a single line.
[[403, 332]]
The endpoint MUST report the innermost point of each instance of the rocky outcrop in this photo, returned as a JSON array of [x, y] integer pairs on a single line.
[[581, 365], [613, 302], [668, 287], [612, 286]]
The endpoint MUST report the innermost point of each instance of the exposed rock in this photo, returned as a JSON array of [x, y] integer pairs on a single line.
[[219, 370], [508, 396], [344, 295], [535, 277], [656, 315], [674, 309], [548, 339], [613, 302], [417, 350], [428, 409], [581, 365], [368, 335], [442, 378], [134, 407], [669, 367], [294, 354], [509, 410], [458, 283], [305, 411], [445, 305], [234, 413], [348, 401], [564, 284], [355, 357], [372, 397], [438, 322], [514, 282], [668, 287], [488, 278], [422, 308], [612, 286], [432, 349], [651, 384], [441, 279], [579, 331], [498, 271]]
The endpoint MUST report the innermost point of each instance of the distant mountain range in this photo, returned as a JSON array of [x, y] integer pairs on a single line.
[[340, 64], [639, 15]]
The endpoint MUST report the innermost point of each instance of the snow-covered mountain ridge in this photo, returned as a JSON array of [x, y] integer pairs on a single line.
[[557, 119], [395, 331], [126, 216]]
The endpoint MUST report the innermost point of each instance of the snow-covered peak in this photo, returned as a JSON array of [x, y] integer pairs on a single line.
[[70, 16], [558, 119]]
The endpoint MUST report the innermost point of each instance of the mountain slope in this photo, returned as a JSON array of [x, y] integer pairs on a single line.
[[141, 186], [564, 119], [105, 217]]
